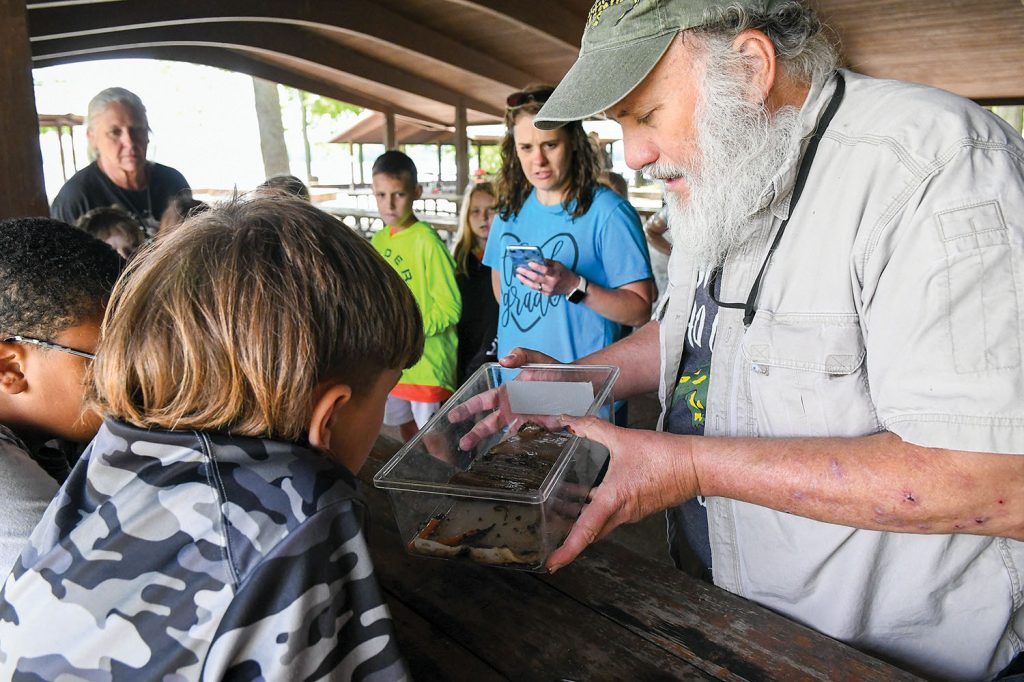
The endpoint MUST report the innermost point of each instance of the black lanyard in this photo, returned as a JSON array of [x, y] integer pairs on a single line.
[[801, 179]]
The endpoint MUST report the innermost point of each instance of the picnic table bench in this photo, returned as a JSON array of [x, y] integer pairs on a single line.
[[613, 614], [367, 221]]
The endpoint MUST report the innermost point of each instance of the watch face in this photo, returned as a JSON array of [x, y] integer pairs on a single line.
[[575, 296]]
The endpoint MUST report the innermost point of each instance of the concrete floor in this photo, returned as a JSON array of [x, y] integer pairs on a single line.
[[648, 536]]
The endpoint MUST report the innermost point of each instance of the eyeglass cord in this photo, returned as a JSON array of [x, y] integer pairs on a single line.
[[749, 309]]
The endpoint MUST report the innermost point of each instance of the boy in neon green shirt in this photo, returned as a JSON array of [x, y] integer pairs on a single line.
[[417, 253]]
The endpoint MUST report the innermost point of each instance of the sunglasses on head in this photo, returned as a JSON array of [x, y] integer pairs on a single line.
[[518, 99]]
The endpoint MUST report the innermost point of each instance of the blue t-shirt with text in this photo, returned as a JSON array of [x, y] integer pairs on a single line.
[[606, 245]]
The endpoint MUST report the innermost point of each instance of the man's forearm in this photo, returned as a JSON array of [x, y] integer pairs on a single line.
[[877, 482], [638, 357]]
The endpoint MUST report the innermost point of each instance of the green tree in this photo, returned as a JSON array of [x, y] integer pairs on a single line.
[[317, 112]]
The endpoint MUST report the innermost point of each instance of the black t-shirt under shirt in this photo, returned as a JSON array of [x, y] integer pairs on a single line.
[[478, 325], [686, 417], [90, 188]]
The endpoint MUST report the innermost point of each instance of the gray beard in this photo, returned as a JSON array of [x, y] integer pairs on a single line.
[[741, 147]]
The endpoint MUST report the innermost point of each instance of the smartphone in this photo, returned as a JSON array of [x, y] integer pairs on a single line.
[[522, 254]]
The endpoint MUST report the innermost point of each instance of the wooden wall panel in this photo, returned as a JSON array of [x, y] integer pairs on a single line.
[[21, 166], [974, 48]]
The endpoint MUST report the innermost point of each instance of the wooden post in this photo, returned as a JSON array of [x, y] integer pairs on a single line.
[[74, 159], [461, 148], [351, 166], [439, 159], [389, 131], [22, 191], [60, 145]]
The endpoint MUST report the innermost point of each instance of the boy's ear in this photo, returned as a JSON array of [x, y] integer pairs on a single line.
[[417, 192], [325, 410], [12, 369]]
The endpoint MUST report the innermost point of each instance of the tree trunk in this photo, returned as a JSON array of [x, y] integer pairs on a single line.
[[268, 115], [305, 137]]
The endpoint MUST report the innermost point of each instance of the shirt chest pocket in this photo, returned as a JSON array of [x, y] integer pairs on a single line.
[[805, 375]]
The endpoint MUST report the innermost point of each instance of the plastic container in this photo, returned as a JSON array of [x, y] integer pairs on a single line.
[[457, 497]]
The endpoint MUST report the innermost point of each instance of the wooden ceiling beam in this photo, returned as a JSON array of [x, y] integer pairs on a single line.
[[548, 19], [364, 18], [291, 40], [246, 63]]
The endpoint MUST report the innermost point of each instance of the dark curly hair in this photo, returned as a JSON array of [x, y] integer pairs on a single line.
[[52, 277], [511, 183]]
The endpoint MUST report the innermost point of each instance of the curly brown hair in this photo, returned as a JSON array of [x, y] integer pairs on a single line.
[[511, 183]]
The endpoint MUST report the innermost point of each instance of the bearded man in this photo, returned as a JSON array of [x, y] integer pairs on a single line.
[[839, 357]]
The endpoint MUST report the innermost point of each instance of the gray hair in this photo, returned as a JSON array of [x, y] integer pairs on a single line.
[[107, 97], [802, 43]]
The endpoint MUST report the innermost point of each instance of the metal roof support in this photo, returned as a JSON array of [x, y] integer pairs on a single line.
[[22, 191]]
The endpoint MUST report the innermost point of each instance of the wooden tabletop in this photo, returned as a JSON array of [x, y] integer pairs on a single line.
[[611, 615]]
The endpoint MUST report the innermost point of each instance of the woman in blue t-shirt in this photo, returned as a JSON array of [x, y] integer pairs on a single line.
[[596, 275]]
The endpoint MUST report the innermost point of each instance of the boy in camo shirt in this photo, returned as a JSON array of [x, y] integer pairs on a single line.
[[210, 530]]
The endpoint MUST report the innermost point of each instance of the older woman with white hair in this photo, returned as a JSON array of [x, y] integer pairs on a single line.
[[118, 134]]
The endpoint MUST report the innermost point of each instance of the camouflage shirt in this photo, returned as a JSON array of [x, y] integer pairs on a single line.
[[174, 555]]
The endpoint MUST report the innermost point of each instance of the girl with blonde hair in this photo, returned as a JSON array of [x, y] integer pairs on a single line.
[[478, 326]]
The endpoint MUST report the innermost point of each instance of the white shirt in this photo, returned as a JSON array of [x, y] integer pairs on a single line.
[[25, 492]]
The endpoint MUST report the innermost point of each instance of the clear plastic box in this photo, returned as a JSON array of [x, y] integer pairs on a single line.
[[493, 478]]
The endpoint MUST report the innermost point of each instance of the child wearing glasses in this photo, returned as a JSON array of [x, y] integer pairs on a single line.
[[213, 528], [416, 252], [54, 284]]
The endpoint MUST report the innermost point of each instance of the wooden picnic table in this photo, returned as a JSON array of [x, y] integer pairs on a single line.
[[367, 221], [613, 614]]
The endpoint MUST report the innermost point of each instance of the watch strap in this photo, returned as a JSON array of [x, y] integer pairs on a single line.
[[580, 292]]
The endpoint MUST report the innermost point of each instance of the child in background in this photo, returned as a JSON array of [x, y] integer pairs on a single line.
[[478, 326], [417, 253], [213, 529], [284, 184], [54, 284], [116, 227], [178, 209]]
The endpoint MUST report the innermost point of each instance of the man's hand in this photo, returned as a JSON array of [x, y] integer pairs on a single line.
[[495, 402], [517, 357], [649, 471]]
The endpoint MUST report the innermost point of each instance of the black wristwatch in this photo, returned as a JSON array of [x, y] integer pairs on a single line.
[[580, 292]]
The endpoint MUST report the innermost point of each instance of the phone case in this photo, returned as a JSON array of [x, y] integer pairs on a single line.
[[521, 255]]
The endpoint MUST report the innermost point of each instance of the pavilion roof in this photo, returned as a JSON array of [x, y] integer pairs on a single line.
[[419, 59]]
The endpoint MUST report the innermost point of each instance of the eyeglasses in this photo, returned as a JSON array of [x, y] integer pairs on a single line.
[[49, 345], [518, 99]]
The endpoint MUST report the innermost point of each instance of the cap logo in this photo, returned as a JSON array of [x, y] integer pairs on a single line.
[[597, 11]]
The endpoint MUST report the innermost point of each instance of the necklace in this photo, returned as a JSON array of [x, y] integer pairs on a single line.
[[144, 216]]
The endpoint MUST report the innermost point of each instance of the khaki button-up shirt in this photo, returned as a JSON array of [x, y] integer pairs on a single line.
[[894, 302]]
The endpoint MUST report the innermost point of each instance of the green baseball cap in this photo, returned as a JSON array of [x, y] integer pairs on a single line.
[[622, 42]]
